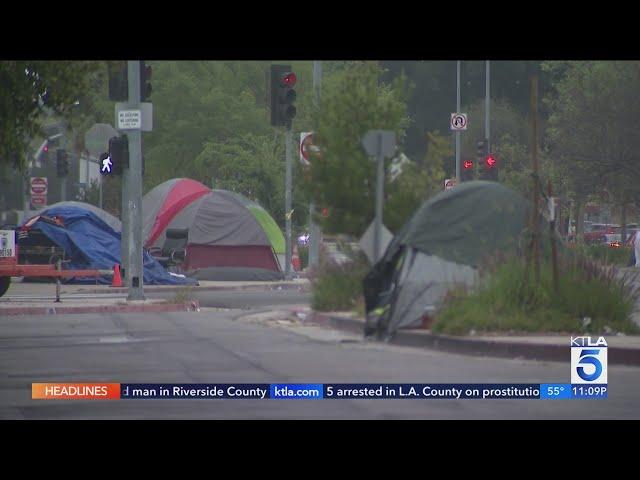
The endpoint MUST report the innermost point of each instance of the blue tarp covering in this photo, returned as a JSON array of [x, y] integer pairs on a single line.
[[89, 243]]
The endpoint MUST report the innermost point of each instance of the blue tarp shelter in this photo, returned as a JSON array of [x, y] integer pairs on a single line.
[[90, 242]]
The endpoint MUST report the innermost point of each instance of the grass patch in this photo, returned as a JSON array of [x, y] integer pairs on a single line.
[[610, 256], [183, 295], [589, 300], [338, 287]]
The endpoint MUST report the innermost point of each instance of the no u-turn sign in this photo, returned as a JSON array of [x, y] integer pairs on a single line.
[[458, 121]]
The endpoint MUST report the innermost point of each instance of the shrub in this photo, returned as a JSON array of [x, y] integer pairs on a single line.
[[505, 301], [608, 255], [303, 253], [337, 287]]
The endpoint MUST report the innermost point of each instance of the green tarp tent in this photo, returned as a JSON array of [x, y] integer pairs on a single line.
[[441, 246]]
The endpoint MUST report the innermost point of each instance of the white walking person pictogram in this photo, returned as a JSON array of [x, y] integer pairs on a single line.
[[106, 165]]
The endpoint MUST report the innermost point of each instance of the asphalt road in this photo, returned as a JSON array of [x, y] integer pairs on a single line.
[[216, 346]]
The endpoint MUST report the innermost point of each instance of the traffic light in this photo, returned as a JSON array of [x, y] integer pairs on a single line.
[[145, 81], [118, 155], [118, 82], [489, 169], [282, 95], [482, 152], [62, 163], [466, 175]]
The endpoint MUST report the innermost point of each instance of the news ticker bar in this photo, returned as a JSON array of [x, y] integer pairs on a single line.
[[316, 391]]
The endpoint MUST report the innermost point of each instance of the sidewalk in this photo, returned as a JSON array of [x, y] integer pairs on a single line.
[[19, 288], [622, 350], [39, 298], [47, 305]]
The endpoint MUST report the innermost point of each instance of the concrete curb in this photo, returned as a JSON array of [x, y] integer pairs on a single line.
[[179, 288], [477, 347], [192, 306]]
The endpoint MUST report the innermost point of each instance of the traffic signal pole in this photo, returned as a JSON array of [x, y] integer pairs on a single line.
[[487, 106], [314, 228], [132, 182], [458, 179], [287, 199]]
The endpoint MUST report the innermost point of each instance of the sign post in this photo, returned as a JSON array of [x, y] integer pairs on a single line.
[[380, 144], [131, 118]]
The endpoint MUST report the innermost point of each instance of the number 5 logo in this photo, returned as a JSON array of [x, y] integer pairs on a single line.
[[587, 357]]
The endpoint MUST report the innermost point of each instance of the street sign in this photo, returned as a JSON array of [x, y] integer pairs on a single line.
[[458, 121], [367, 241], [449, 183], [142, 116], [397, 166], [7, 243], [96, 140], [306, 147], [379, 143], [38, 185], [39, 200], [129, 119]]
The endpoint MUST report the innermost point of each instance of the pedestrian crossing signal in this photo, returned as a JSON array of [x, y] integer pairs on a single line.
[[118, 157]]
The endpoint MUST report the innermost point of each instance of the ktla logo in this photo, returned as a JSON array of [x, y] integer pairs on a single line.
[[588, 360]]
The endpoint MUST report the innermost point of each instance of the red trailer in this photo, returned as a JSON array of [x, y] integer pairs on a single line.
[[9, 266]]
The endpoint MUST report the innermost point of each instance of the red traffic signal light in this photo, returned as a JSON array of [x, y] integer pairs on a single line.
[[467, 164], [289, 79], [325, 212], [490, 161], [282, 95]]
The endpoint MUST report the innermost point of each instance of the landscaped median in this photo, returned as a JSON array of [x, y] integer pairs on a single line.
[[622, 350], [506, 315]]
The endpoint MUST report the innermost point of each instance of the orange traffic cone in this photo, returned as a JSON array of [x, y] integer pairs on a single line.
[[117, 279], [295, 259]]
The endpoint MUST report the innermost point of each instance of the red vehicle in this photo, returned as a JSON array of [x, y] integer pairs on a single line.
[[9, 266], [596, 233]]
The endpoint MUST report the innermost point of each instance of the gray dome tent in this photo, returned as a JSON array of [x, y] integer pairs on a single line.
[[441, 246], [106, 217]]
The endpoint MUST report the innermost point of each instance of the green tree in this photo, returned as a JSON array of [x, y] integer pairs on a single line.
[[594, 112], [30, 91], [354, 101], [417, 183], [254, 166]]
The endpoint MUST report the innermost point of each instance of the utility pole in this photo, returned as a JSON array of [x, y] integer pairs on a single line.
[[124, 218], [133, 184], [25, 194], [287, 200], [377, 239], [63, 180], [487, 106], [314, 229], [536, 182], [458, 131]]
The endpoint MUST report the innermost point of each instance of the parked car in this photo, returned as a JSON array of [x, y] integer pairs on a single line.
[[596, 233], [614, 234]]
